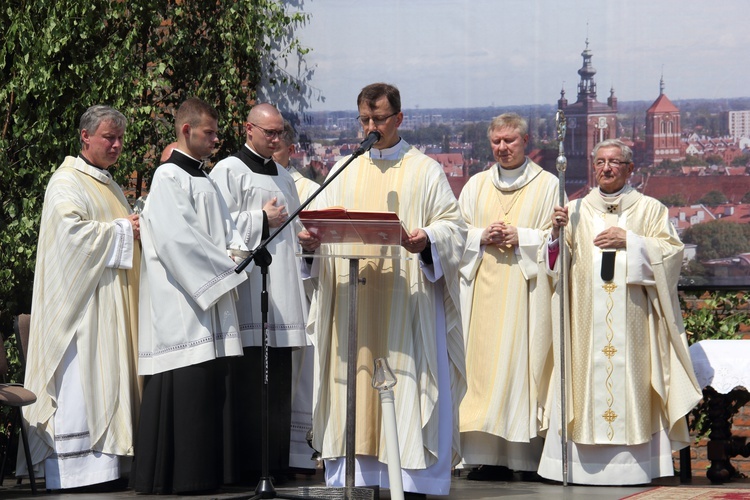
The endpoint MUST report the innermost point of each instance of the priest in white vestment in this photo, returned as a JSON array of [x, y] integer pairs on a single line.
[[188, 321], [506, 209], [407, 312], [260, 194], [83, 337], [283, 156], [629, 377], [301, 456]]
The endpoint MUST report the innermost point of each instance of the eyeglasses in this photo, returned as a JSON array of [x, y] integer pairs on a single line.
[[270, 134], [614, 163], [377, 120]]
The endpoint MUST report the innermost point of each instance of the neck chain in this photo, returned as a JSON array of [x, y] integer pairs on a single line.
[[506, 210]]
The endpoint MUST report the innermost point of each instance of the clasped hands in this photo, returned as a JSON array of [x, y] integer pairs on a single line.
[[500, 234]]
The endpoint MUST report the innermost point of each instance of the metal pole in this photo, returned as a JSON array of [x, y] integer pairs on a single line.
[[351, 379], [562, 164]]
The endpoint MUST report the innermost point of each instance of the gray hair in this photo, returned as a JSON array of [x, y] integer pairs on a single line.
[[509, 120], [289, 136], [627, 153], [95, 115]]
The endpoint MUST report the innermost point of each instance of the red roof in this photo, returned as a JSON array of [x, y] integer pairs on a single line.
[[733, 213], [693, 188], [448, 159], [662, 104], [457, 184], [683, 216]]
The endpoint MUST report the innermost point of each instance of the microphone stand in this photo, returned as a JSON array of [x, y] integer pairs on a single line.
[[262, 258]]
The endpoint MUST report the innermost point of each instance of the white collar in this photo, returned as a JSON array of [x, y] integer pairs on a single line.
[[612, 196], [392, 153], [192, 158], [510, 175]]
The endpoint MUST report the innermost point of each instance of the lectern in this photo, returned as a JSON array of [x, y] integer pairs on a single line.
[[353, 236]]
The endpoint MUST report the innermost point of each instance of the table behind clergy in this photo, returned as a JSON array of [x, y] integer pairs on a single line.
[[722, 368]]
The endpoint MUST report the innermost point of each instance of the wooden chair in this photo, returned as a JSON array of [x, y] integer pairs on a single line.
[[15, 396]]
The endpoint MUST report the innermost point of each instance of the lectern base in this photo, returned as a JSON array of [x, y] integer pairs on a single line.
[[340, 493]]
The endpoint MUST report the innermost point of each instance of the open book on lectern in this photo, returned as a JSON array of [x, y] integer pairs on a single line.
[[339, 225]]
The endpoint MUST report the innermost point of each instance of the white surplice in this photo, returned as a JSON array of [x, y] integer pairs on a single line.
[[246, 192], [188, 312]]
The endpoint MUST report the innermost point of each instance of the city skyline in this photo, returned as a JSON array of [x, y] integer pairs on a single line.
[[450, 53]]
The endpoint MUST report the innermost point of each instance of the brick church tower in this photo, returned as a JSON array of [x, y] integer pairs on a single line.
[[663, 130], [589, 122]]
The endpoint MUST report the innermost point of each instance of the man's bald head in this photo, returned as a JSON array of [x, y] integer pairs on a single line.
[[263, 129], [263, 110]]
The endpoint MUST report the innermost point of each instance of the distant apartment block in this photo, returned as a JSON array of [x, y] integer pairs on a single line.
[[417, 120], [738, 123]]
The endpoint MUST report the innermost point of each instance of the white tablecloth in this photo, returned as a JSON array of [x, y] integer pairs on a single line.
[[722, 364]]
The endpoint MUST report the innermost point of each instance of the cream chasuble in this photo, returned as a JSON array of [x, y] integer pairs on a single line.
[[630, 378], [396, 313], [305, 187], [497, 298], [77, 298]]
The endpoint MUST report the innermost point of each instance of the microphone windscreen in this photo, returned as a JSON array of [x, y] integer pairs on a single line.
[[365, 145]]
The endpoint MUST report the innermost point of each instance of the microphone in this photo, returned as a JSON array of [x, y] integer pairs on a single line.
[[365, 145], [608, 265]]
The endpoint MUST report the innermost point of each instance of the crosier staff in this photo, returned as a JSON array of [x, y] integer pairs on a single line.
[[562, 164]]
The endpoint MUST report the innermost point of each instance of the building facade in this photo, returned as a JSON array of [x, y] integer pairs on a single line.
[[663, 131], [589, 122], [738, 123]]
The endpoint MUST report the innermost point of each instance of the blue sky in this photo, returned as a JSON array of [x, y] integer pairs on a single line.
[[473, 53]]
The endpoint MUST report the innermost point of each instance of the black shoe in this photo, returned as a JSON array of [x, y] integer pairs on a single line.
[[530, 476], [490, 473], [408, 495]]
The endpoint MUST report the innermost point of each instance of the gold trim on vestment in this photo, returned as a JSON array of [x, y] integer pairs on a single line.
[[609, 351]]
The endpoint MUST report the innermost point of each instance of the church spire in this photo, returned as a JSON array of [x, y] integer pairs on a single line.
[[661, 82], [587, 85], [562, 103], [612, 100]]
